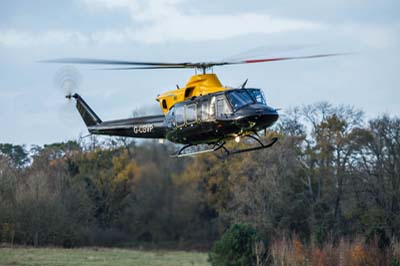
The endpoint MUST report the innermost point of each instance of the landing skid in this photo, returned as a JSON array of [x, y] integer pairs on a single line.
[[180, 153], [260, 147], [221, 145]]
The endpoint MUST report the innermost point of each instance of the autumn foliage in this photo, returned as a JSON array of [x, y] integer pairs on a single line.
[[327, 193]]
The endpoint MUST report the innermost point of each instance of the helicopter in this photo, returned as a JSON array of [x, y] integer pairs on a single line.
[[202, 112]]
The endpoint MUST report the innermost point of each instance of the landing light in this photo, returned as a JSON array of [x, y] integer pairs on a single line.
[[237, 139]]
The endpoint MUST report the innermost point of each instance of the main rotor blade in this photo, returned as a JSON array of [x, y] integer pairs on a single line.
[[90, 61], [264, 60], [149, 67], [165, 65]]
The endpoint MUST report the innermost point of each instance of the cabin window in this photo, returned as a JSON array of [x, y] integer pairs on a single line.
[[212, 107], [204, 111], [179, 116], [222, 107], [191, 115], [171, 116]]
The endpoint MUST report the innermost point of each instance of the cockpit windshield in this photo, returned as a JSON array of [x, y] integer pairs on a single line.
[[257, 95], [239, 98]]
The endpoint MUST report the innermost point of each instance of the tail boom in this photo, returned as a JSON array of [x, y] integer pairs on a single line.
[[138, 127]]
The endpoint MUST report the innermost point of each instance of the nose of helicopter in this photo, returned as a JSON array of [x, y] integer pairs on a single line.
[[263, 116]]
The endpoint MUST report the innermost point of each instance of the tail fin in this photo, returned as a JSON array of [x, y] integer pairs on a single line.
[[88, 115]]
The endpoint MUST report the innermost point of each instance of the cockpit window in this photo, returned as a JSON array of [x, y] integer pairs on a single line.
[[239, 98], [257, 95]]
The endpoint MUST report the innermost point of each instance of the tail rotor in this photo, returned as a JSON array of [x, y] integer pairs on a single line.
[[68, 80]]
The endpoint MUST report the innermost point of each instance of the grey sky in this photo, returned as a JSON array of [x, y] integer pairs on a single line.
[[33, 111]]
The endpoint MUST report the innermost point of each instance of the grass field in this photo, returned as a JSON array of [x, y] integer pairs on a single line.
[[97, 256]]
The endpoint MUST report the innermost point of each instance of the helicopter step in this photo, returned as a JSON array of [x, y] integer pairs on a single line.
[[221, 145]]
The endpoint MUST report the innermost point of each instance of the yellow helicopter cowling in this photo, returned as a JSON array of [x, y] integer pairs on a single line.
[[198, 85]]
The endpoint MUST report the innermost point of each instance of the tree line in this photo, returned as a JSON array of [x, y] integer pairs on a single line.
[[331, 175]]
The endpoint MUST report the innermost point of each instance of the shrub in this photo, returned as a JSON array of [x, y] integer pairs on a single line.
[[357, 254], [290, 252], [378, 233], [239, 246]]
